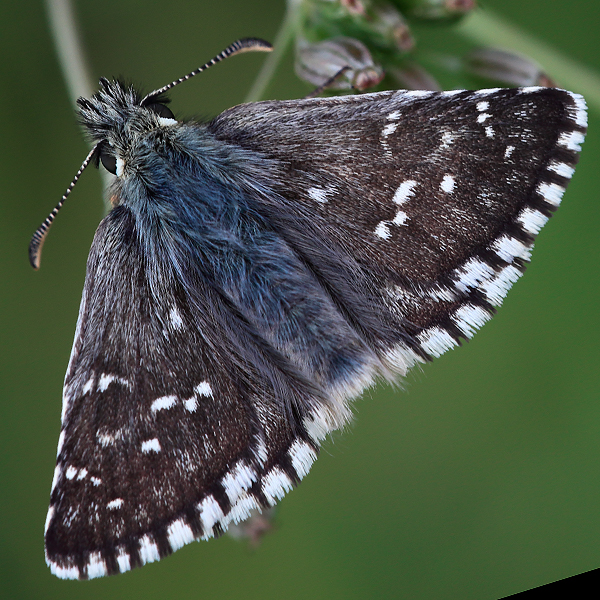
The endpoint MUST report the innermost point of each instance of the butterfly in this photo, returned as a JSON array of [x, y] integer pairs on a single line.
[[258, 271]]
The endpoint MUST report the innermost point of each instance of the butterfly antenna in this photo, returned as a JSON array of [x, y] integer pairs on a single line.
[[244, 45], [37, 241], [328, 83]]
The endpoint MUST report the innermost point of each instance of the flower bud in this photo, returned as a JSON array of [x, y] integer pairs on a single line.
[[435, 9], [317, 63], [342, 7], [505, 67], [390, 24], [354, 7]]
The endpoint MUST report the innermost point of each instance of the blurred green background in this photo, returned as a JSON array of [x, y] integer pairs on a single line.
[[478, 480]]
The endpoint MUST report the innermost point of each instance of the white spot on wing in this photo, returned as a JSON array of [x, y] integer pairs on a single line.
[[470, 318], [319, 424], [487, 92], [152, 445], [275, 485], [419, 93], [508, 151], [61, 441], [471, 274], [389, 129], [483, 117], [571, 140], [260, 451], [447, 184], [561, 169], [82, 474], [96, 566], [71, 472], [241, 510], [489, 131], [530, 89], [95, 480], [393, 116], [238, 480], [162, 403], [482, 106], [210, 514], [318, 194], [116, 503], [123, 559], [552, 192], [447, 140], [496, 288], [89, 385], [204, 389], [400, 218], [441, 294], [382, 230], [404, 192], [579, 114], [63, 572], [435, 341], [148, 549], [509, 248], [191, 404], [179, 534], [302, 456], [532, 220], [106, 380]]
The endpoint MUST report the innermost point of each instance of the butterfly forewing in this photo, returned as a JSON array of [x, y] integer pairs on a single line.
[[168, 432], [295, 251], [434, 198]]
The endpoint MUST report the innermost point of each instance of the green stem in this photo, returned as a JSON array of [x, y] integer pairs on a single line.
[[284, 37], [488, 29], [72, 61]]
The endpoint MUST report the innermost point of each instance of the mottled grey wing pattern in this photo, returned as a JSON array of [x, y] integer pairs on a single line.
[[220, 340], [452, 188], [169, 433]]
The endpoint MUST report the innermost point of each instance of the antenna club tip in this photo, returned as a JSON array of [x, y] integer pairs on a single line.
[[254, 45], [34, 261], [35, 250]]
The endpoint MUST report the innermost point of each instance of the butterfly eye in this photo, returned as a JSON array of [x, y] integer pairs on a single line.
[[161, 110], [109, 161]]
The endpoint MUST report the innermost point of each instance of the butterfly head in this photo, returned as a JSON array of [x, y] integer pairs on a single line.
[[116, 117]]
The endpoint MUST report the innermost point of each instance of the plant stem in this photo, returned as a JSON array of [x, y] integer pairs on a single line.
[[69, 49], [72, 61], [284, 37]]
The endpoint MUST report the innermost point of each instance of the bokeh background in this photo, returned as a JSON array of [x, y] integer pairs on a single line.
[[479, 480]]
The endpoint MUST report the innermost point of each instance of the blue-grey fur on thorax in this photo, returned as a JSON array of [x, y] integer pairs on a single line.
[[194, 201]]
